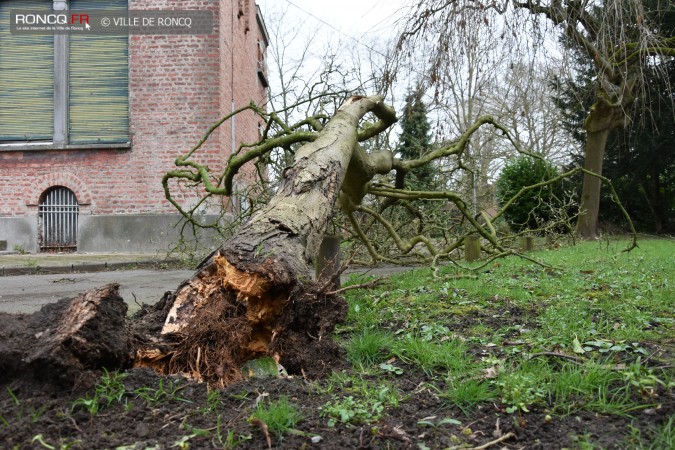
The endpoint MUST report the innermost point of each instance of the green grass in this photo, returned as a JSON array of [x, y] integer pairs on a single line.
[[560, 340], [280, 416], [467, 393], [357, 401], [369, 347], [571, 386], [432, 357], [163, 393], [655, 438], [110, 389], [592, 339]]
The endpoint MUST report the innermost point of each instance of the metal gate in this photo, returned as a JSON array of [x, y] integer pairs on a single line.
[[57, 220]]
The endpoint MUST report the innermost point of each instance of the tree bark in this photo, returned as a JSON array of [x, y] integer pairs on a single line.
[[606, 114], [587, 224]]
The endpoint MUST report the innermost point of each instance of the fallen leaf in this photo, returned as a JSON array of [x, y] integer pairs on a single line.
[[491, 372], [576, 346]]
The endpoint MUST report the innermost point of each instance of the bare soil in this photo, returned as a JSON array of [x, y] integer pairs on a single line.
[[137, 424]]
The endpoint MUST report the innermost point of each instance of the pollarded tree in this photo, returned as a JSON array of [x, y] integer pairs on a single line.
[[616, 35]]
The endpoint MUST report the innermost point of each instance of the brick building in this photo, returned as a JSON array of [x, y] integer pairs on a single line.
[[88, 126]]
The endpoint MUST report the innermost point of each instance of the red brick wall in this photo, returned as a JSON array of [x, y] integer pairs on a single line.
[[178, 87]]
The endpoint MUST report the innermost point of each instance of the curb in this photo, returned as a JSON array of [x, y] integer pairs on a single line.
[[84, 268]]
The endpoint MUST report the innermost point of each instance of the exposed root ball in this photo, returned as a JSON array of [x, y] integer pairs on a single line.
[[215, 344], [304, 344], [225, 333]]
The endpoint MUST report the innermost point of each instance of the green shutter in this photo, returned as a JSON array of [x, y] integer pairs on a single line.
[[26, 79], [98, 82]]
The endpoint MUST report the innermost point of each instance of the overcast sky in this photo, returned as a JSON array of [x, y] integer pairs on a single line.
[[352, 18], [343, 29]]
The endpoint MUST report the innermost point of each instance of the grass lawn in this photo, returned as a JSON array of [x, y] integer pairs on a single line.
[[594, 334]]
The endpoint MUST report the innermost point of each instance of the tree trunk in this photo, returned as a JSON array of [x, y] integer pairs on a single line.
[[236, 307], [608, 113], [587, 224]]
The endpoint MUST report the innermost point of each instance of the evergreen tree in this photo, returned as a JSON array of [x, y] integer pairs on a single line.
[[415, 141], [641, 160], [536, 207]]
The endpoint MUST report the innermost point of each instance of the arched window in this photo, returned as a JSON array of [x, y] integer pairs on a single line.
[[57, 220]]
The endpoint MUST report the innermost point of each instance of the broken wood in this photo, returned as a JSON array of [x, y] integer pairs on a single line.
[[67, 341]]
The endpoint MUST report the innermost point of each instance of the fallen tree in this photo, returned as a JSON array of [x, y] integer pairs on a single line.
[[253, 296], [259, 278]]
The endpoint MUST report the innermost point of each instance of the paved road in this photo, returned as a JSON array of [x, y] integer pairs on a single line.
[[27, 293]]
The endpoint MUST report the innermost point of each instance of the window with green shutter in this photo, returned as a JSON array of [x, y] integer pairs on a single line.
[[26, 79], [92, 69], [98, 82]]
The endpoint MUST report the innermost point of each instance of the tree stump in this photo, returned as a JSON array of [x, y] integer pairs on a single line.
[[472, 248], [527, 243]]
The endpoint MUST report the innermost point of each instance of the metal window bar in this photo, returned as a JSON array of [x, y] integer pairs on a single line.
[[58, 215]]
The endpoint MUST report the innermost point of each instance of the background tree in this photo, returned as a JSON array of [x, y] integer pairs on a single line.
[[640, 158], [617, 36], [525, 104], [537, 207], [415, 141]]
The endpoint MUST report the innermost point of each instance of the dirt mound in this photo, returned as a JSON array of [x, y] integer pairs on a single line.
[[68, 342]]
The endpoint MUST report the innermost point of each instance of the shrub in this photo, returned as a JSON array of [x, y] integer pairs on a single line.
[[534, 207]]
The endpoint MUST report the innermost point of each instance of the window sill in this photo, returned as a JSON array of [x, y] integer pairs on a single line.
[[16, 147]]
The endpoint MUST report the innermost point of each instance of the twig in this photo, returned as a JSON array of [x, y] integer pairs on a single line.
[[263, 426], [468, 425], [508, 435], [136, 300], [461, 276], [576, 359], [336, 276], [371, 284], [75, 424]]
